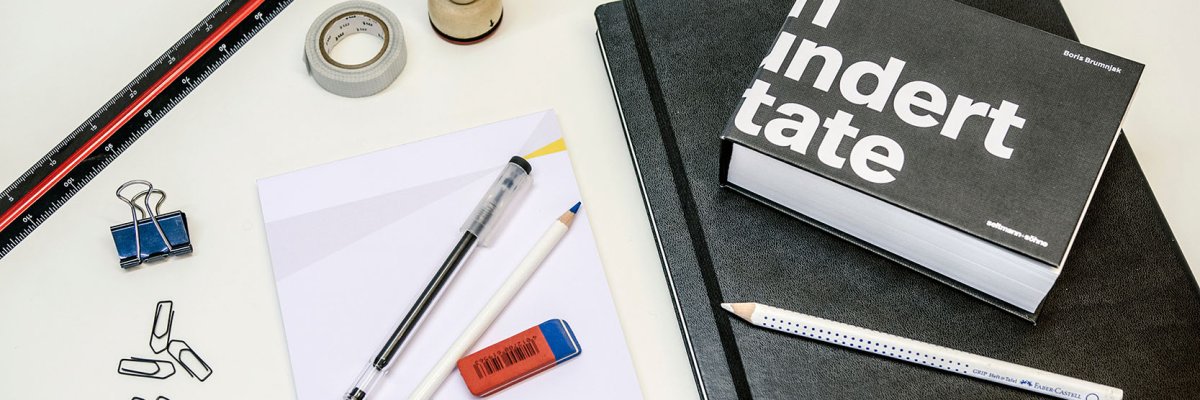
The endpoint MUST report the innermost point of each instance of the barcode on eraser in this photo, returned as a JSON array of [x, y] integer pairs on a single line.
[[506, 357], [517, 357]]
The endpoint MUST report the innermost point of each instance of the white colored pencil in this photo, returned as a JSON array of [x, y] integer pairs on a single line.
[[949, 360], [499, 301]]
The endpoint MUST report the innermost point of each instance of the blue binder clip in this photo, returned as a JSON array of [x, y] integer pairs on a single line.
[[156, 235]]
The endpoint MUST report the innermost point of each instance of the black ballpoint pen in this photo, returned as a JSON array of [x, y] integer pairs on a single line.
[[477, 228]]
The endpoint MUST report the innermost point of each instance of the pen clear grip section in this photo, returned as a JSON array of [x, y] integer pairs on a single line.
[[489, 212], [365, 383]]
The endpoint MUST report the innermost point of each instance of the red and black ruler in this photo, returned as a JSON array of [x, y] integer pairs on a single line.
[[70, 165]]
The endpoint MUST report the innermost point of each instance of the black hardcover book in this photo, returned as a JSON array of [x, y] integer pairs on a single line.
[[964, 144], [1124, 314]]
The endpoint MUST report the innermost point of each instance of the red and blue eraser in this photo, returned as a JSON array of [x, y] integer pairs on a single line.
[[521, 356]]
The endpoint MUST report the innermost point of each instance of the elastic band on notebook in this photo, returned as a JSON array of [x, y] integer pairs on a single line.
[[733, 357]]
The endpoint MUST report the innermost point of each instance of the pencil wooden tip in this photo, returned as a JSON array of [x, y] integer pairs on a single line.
[[743, 310], [567, 217]]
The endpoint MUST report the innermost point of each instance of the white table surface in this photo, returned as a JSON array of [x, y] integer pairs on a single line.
[[1163, 124], [68, 313]]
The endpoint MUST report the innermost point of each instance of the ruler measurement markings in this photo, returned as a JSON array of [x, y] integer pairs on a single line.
[[175, 100], [82, 127], [218, 52], [66, 143], [128, 113], [90, 122]]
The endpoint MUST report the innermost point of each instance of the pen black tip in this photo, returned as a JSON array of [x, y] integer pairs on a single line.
[[575, 208]]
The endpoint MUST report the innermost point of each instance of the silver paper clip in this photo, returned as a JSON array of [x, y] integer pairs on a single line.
[[154, 235]]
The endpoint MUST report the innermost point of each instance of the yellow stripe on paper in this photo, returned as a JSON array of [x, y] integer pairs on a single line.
[[553, 147]]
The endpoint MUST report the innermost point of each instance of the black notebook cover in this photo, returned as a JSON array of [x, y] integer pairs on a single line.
[[1126, 314]]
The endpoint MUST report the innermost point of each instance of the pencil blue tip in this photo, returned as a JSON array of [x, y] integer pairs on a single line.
[[575, 208]]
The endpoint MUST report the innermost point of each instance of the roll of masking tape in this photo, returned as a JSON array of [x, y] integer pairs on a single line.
[[362, 79]]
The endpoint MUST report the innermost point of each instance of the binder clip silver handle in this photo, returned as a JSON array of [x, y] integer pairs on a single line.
[[133, 246], [133, 210]]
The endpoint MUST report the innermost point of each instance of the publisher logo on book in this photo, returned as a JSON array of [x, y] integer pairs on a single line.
[[1029, 238]]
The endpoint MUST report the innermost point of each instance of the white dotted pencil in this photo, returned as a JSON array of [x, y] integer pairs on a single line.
[[949, 360]]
